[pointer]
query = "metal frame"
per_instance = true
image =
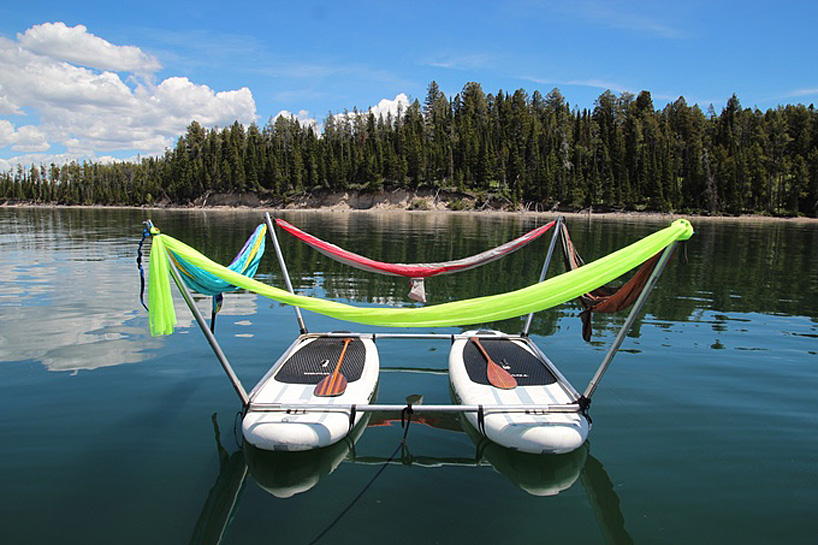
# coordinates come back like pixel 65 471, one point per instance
pixel 580 405
pixel 211 338
pixel 271 229
pixel 304 407
pixel 296 408
pixel 632 315
pixel 545 265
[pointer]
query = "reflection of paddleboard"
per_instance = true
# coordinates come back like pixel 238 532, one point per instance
pixel 537 384
pixel 285 474
pixel 537 474
pixel 293 379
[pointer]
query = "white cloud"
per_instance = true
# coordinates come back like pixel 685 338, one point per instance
pixel 7 133
pixel 7 107
pixel 30 138
pixel 646 19
pixel 386 106
pixel 27 138
pixel 803 92
pixel 89 109
pixel 76 45
pixel 590 82
pixel 303 117
pixel 475 61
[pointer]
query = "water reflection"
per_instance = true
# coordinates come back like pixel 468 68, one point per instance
pixel 69 290
pixel 537 474
pixel 732 267
pixel 68 282
pixel 71 324
pixel 287 474
pixel 223 496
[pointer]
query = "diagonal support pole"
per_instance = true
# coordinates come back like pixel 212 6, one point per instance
pixel 634 313
pixel 211 339
pixel 545 265
pixel 280 255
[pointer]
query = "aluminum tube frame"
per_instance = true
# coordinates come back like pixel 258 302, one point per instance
pixel 634 313
pixel 283 264
pixel 418 409
pixel 545 265
pixel 438 336
pixel 211 339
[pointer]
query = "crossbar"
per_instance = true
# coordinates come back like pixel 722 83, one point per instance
pixel 417 409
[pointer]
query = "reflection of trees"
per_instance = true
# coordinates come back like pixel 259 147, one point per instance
pixel 733 266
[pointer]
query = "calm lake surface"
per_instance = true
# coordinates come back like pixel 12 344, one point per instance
pixel 705 429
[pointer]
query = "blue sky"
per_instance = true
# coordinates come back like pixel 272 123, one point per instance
pixel 104 80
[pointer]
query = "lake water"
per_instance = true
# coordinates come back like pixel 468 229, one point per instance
pixel 705 429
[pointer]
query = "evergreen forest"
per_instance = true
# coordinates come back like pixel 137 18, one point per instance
pixel 530 151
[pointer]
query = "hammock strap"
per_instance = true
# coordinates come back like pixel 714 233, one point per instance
pixel 145 234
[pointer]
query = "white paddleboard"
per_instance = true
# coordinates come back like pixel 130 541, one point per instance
pixel 537 384
pixel 292 380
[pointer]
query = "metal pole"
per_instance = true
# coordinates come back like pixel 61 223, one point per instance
pixel 637 308
pixel 211 339
pixel 271 230
pixel 545 265
pixel 425 409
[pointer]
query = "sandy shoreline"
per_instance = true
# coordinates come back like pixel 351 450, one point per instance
pixel 631 215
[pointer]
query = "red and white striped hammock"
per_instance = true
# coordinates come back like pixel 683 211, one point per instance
pixel 416 272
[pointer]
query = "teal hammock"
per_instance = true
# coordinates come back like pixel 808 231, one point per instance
pixel 245 263
pixel 206 283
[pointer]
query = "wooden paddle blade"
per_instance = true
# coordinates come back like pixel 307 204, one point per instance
pixel 336 383
pixel 331 386
pixel 499 377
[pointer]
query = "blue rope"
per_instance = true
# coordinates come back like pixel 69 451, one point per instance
pixel 145 234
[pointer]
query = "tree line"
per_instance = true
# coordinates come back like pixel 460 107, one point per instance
pixel 535 151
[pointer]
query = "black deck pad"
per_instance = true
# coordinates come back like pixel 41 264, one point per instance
pixel 318 360
pixel 526 368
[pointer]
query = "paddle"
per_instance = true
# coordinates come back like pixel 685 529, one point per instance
pixel 498 377
pixel 334 384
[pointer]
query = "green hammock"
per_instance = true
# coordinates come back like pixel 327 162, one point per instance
pixel 536 297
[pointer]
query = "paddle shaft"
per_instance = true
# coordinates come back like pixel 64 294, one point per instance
pixel 497 376
pixel 335 383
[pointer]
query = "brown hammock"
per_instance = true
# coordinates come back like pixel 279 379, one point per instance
pixel 608 298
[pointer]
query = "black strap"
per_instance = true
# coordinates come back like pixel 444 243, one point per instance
pixel 481 420
pixel 584 404
pixel 145 234
pixel 352 412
